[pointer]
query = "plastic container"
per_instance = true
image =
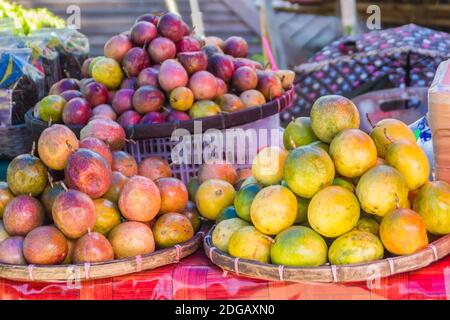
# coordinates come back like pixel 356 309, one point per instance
pixel 439 120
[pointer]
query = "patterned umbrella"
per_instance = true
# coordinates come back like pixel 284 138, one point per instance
pixel 401 57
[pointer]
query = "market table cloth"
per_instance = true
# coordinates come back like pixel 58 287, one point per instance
pixel 196 278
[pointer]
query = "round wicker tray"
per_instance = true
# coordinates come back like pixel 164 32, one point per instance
pixel 159 130
pixel 328 273
pixel 100 270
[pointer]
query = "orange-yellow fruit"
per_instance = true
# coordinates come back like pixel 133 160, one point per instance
pixel 332 114
pixel 268 165
pixel 308 170
pixel 213 196
pixel 333 211
pixel 171 229
pixel 411 161
pixel 299 246
pixel 353 153
pixel 107 216
pixel 249 243
pixel 433 204
pixel 381 189
pixel 388 131
pixel 273 209
pixel 355 247
pixel 224 230
pixel 403 231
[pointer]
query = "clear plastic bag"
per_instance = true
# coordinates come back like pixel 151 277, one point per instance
pixel 44 58
pixel 21 85
pixel 72 46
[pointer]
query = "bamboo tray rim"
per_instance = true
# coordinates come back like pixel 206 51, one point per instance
pixel 328 273
pixel 100 270
pixel 163 130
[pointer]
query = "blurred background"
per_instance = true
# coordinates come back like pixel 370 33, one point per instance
pixel 347 47
pixel 303 26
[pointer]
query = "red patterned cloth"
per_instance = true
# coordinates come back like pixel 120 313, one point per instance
pixel 196 278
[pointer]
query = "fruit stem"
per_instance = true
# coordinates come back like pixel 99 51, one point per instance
pixel 387 136
pixel 370 121
pixel 50 179
pixel 270 239
pixel 397 202
pixel 33 148
pixel 69 145
pixel 64 186
pixel 294 146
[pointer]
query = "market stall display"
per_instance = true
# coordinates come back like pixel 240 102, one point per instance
pixel 160 61
pixel 159 77
pixel 332 207
pixel 348 194
pixel 101 219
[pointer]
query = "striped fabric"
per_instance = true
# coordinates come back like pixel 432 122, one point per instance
pixel 196 278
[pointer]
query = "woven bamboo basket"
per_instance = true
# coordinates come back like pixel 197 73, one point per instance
pixel 80 272
pixel 328 273
pixel 14 140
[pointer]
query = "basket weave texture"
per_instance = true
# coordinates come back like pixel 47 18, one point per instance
pixel 70 273
pixel 328 273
